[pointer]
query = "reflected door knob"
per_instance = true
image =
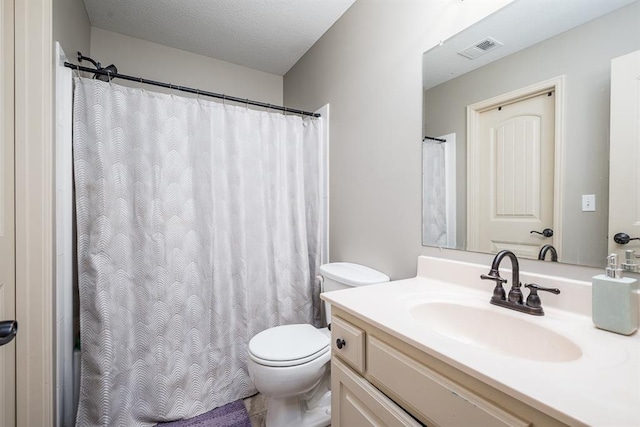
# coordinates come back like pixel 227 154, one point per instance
pixel 547 232
pixel 8 330
pixel 623 238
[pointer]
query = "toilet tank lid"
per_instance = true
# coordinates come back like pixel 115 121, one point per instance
pixel 352 274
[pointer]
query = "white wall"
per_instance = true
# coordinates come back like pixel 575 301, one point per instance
pixel 368 66
pixel 141 58
pixel 71 27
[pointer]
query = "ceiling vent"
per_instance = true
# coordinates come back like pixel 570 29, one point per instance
pixel 480 48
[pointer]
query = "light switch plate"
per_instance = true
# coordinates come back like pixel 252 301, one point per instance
pixel 588 203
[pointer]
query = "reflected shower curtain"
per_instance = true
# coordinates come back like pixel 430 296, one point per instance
pixel 434 188
pixel 198 227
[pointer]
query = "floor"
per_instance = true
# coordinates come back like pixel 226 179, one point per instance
pixel 257 407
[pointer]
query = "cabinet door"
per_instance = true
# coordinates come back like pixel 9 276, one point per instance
pixel 430 396
pixel 351 350
pixel 356 403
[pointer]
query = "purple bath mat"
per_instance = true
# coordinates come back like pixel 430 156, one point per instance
pixel 232 414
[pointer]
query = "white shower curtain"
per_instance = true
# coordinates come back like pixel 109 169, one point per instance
pixel 434 187
pixel 198 226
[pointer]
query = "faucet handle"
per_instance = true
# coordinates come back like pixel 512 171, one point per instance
pixel 533 300
pixel 498 291
pixel 495 277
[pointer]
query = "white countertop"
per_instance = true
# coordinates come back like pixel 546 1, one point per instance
pixel 600 388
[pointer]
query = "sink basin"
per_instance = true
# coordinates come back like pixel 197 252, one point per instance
pixel 495 332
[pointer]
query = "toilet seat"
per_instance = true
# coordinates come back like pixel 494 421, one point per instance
pixel 289 363
pixel 288 345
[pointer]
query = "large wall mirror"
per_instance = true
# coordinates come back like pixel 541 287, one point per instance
pixel 517 122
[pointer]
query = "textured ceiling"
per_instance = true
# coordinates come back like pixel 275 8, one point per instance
pixel 266 35
pixel 518 25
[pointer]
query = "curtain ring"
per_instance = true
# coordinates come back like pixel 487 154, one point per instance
pixel 198 94
pixel 224 99
pixel 285 110
pixel 140 79
pixel 268 108
pixel 246 103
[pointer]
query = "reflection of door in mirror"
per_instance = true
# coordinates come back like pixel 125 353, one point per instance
pixel 514 150
pixel 7 227
pixel 624 168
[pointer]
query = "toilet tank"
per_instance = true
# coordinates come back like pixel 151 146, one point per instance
pixel 343 275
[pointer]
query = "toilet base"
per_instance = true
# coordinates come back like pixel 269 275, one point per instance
pixel 313 409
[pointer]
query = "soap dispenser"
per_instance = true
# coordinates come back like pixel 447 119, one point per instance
pixel 614 301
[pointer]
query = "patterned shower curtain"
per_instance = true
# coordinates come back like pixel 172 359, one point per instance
pixel 198 227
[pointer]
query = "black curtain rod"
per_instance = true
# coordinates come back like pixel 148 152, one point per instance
pixel 434 139
pixel 190 90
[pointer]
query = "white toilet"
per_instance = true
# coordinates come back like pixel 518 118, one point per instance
pixel 290 364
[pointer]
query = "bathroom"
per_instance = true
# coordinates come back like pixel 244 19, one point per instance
pixel 368 67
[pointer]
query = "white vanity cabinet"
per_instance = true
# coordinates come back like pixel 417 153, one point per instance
pixel 379 380
pixel 356 403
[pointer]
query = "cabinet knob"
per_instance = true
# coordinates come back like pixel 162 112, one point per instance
pixel 340 343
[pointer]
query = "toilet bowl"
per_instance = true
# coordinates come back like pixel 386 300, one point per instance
pixel 290 364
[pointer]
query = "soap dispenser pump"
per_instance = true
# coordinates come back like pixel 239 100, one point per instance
pixel 614 301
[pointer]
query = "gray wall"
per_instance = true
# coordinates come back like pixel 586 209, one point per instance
pixel 584 56
pixel 71 26
pixel 368 66
pixel 138 57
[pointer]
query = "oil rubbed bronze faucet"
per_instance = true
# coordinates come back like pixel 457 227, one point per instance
pixel 544 250
pixel 514 301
